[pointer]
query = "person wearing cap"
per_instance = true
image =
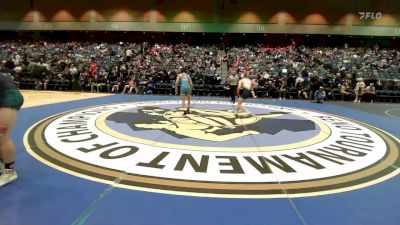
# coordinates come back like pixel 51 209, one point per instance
pixel 185 82
pixel 11 101
pixel 319 95
pixel 370 93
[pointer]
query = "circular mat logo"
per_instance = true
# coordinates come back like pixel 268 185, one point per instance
pixel 275 152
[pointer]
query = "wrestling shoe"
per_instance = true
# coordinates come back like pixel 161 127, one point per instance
pixel 7 176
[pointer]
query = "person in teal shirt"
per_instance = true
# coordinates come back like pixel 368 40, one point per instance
pixel 11 101
pixel 185 82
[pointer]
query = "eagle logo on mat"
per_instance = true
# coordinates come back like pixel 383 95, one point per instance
pixel 209 124
pixel 275 152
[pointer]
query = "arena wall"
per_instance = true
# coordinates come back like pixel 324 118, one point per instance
pixel 381 18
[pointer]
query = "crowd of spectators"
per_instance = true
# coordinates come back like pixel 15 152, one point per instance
pixel 142 68
pixel 301 72
pixel 103 66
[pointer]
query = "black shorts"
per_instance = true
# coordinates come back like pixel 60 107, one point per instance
pixel 11 99
pixel 245 94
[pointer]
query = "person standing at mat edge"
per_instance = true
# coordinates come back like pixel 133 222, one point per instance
pixel 185 82
pixel 11 101
pixel 233 83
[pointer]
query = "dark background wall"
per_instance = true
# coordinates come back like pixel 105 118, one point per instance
pixel 229 16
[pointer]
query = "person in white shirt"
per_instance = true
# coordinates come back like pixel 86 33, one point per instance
pixel 233 83
pixel 359 90
pixel 128 54
pixel 370 94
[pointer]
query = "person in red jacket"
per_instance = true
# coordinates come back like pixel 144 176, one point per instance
pixel 93 70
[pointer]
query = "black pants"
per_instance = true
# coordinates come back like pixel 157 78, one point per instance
pixel 369 97
pixel 233 89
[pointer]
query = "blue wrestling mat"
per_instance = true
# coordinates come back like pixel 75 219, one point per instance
pixel 126 159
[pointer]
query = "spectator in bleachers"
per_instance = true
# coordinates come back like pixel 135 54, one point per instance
pixel 254 85
pixel 46 81
pixel 282 90
pixel 359 90
pixel 117 85
pixel 270 89
pixel 370 94
pixel 130 86
pixel 102 82
pixel 93 70
pixel 345 91
pixel 83 81
pixel 320 95
pixel 26 61
pixel 149 86
pixel 73 71
pixel 93 81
